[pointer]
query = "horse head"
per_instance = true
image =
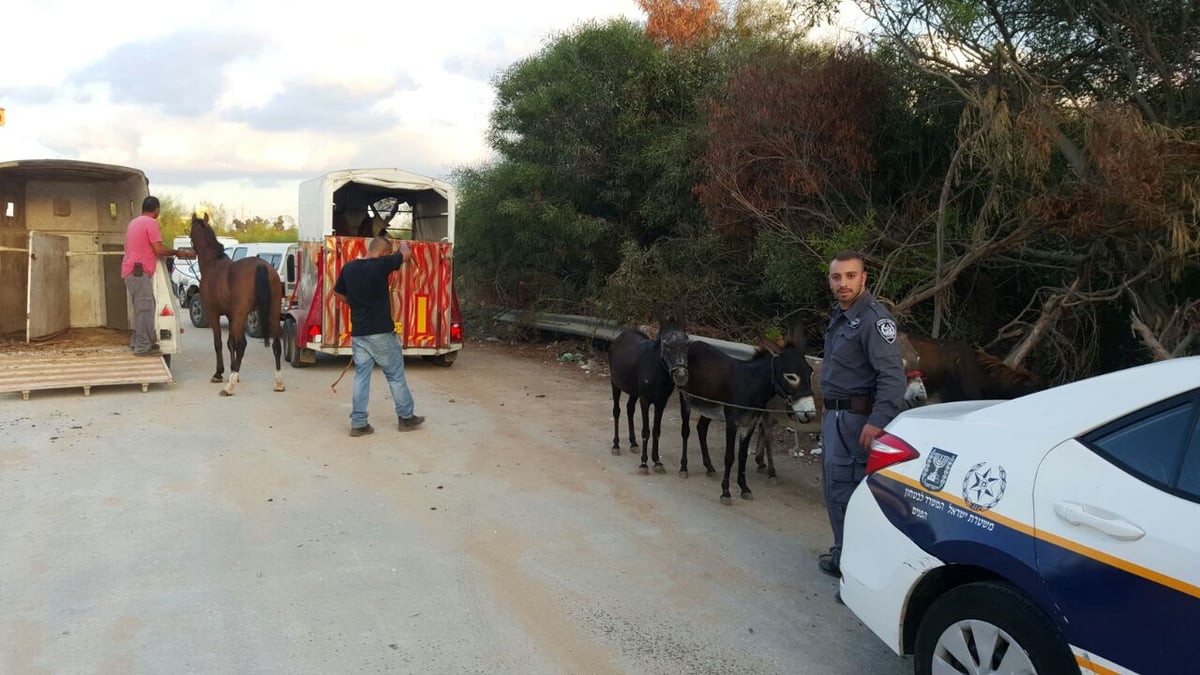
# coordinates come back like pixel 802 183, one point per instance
pixel 204 238
pixel 792 376
pixel 915 394
pixel 672 349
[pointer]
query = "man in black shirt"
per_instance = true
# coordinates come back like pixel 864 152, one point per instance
pixel 363 284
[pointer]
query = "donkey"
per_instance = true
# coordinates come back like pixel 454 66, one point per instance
pixel 736 392
pixel 953 371
pixel 915 395
pixel 647 370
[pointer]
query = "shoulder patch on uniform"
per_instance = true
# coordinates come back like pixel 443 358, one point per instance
pixel 887 329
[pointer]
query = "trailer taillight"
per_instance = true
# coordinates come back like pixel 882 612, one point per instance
pixel 456 332
pixel 314 333
pixel 166 311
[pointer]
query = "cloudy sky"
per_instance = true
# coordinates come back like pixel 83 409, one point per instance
pixel 236 102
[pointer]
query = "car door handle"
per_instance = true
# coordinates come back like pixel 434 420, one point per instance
pixel 1108 523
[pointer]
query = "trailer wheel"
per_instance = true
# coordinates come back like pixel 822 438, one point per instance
pixel 444 360
pixel 196 310
pixel 289 344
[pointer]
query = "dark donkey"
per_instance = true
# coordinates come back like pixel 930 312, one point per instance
pixel 647 370
pixel 736 392
pixel 953 371
pixel 234 289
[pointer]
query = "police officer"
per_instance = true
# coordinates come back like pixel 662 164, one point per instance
pixel 862 381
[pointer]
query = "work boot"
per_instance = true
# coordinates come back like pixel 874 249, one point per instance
pixel 828 566
pixel 362 431
pixel 410 423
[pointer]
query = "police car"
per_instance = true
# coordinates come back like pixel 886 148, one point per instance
pixel 1054 533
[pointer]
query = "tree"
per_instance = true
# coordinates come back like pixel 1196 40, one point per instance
pixel 597 138
pixel 1069 177
pixel 682 23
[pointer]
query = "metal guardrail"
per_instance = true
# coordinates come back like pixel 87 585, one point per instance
pixel 607 329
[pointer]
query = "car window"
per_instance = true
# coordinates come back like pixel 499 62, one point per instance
pixel 1189 476
pixel 1151 446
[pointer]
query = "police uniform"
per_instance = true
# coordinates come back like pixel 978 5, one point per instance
pixel 862 381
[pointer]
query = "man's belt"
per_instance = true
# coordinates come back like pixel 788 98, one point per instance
pixel 860 405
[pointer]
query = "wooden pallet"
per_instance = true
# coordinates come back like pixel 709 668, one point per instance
pixel 84 368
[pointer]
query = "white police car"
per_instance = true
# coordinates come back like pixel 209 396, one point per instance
pixel 1054 533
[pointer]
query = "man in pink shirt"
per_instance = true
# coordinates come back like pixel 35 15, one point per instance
pixel 143 246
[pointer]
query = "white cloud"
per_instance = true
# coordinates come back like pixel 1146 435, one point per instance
pixel 237 101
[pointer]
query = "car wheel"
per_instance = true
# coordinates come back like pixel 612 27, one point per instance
pixel 989 627
pixel 254 327
pixel 289 342
pixel 196 310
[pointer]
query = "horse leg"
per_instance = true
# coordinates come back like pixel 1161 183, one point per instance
pixel 702 433
pixel 730 437
pixel 237 349
pixel 645 404
pixel 743 452
pixel 616 394
pixel 658 413
pixel 218 376
pixel 630 405
pixel 685 430
pixel 277 348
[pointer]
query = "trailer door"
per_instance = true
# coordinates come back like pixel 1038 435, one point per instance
pixel 48 308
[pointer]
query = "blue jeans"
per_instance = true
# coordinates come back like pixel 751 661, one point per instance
pixel 384 349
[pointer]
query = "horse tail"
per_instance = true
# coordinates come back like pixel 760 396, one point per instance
pixel 262 301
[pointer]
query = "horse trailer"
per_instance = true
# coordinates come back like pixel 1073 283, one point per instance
pixel 65 317
pixel 424 303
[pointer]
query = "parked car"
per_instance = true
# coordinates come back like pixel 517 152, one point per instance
pixel 1053 533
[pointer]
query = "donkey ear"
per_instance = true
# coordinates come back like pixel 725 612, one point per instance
pixel 769 345
pixel 795 335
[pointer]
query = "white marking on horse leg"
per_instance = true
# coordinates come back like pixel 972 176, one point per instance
pixel 279 380
pixel 228 390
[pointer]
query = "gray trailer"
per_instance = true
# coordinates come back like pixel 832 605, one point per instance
pixel 65 318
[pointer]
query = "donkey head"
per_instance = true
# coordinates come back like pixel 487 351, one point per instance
pixel 673 347
pixel 915 394
pixel 792 376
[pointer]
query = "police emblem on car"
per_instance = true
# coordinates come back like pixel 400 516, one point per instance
pixel 984 486
pixel 887 329
pixel 937 469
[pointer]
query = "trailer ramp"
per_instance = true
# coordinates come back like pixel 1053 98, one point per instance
pixel 26 372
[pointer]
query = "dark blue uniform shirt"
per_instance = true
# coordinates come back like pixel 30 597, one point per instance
pixel 862 358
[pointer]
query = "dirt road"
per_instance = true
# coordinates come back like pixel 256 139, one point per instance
pixel 178 531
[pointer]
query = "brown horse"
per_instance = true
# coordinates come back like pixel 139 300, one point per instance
pixel 233 290
pixel 953 371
